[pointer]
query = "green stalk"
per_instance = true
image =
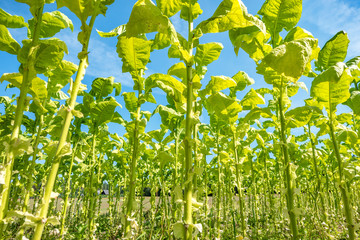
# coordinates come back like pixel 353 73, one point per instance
pixel 238 183
pixel 33 163
pixel 175 176
pixel 218 196
pixel 132 178
pixel 206 193
pixel 318 186
pixel 56 161
pixel 67 193
pixel 92 189
pixel 254 191
pixel 99 185
pixel 31 170
pixel 342 184
pixel 288 177
pixel 28 74
pixel 188 144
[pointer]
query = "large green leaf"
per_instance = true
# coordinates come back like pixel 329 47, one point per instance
pixel 230 14
pixel 52 23
pixel 242 80
pixel 11 21
pixel 169 116
pixel 169 7
pixel 207 53
pixel 354 67
pixel 7 42
pixel 59 77
pixel 332 86
pixel 224 107
pixel 290 58
pixel 298 117
pixel 297 33
pixel 38 88
pixel 280 14
pixel 354 102
pixel 252 40
pixel 173 87
pixel 102 112
pixel 146 17
pixel 256 113
pixel 178 70
pixel 195 11
pixel 251 100
pixel 82 9
pixel 177 50
pixel 216 84
pixel 334 51
pixel 160 41
pixel 293 88
pixel 102 87
pixel 48 56
pixel 13 78
pixel 131 101
pixel 134 52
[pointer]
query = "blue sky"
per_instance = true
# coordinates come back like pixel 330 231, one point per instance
pixel 323 18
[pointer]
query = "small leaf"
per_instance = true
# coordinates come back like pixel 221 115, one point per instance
pixel 216 84
pixel 102 87
pixel 207 53
pixel 290 59
pixel 280 14
pixel 298 117
pixel 131 101
pixel 169 7
pixel 134 52
pixel 230 14
pixel 179 230
pixel 334 51
pixel 251 100
pixel 7 42
pixel 113 33
pixel 332 85
pixel 11 21
pixel 52 23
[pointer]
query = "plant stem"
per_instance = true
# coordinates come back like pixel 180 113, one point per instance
pixel 188 141
pixel 288 176
pixel 62 141
pixel 342 184
pixel 132 178
pixel 238 183
pixel 28 74
pixel 318 187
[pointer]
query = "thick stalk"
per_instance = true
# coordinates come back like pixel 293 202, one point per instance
pixel 342 184
pixel 62 141
pixel 288 176
pixel 67 193
pixel 239 187
pixel 92 189
pixel 206 193
pixel 174 206
pixel 188 141
pixel 132 177
pixel 28 74
pixel 33 162
pixel 218 195
pixel 318 186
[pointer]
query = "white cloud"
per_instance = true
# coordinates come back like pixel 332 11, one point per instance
pixel 331 16
pixel 179 24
